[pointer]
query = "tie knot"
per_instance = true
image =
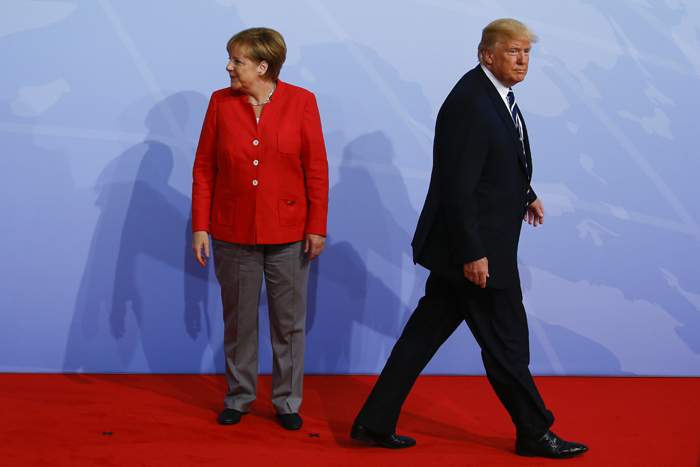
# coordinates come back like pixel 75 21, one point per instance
pixel 511 98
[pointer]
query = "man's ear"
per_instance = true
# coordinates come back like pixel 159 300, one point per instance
pixel 487 56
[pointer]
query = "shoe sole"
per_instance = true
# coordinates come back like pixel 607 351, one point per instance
pixel 291 428
pixel 226 423
pixel 532 454
pixel 363 439
pixel 371 442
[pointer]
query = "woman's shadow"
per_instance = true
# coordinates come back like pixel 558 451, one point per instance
pixel 143 303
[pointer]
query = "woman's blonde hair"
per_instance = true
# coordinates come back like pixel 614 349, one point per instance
pixel 261 44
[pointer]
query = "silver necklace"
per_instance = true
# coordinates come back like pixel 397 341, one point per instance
pixel 269 98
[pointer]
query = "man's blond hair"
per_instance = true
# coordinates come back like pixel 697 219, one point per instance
pixel 502 30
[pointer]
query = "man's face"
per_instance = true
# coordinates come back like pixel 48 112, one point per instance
pixel 508 60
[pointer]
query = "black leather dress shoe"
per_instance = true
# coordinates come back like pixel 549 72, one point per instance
pixel 290 421
pixel 548 445
pixel 392 441
pixel 230 417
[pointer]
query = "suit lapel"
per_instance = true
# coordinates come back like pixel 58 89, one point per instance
pixel 504 115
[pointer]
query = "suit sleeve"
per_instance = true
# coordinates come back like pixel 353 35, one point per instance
pixel 531 196
pixel 461 146
pixel 205 170
pixel 315 164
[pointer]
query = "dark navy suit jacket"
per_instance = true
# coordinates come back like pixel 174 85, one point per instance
pixel 479 186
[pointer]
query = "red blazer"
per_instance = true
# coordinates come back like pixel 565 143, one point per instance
pixel 261 183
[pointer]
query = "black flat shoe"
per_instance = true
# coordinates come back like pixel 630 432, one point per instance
pixel 290 421
pixel 548 445
pixel 229 417
pixel 392 441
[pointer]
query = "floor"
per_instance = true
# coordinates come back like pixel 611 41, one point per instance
pixel 155 420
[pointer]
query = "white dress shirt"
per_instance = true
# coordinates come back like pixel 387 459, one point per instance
pixel 503 92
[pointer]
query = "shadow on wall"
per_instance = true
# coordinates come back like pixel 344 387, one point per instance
pixel 556 350
pixel 130 312
pixel 353 314
pixel 352 309
pixel 364 285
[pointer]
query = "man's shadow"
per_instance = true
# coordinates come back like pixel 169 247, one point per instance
pixel 367 260
pixel 348 301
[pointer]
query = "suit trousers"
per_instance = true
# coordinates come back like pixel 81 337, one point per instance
pixel 497 320
pixel 240 270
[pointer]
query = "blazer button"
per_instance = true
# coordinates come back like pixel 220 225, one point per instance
pixel 256 142
pixel 255 182
pixel 290 202
pixel 256 162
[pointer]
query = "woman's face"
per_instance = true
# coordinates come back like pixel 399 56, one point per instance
pixel 244 72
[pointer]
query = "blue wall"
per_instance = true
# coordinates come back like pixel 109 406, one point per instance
pixel 100 108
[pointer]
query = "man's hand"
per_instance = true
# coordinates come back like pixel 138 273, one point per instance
pixel 313 245
pixel 477 271
pixel 535 213
pixel 200 246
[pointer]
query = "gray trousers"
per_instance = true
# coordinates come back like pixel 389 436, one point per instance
pixel 240 270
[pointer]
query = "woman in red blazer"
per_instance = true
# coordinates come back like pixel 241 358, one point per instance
pixel 260 189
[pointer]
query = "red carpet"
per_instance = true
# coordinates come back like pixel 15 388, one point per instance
pixel 130 420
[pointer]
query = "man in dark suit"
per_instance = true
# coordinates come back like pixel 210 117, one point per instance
pixel 467 236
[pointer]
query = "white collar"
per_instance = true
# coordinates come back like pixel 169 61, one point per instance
pixel 502 90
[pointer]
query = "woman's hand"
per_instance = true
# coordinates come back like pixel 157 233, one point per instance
pixel 313 245
pixel 200 243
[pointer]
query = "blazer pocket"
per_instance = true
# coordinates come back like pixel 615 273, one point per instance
pixel 290 212
pixel 288 145
pixel 225 212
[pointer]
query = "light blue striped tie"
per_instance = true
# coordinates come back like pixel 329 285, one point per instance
pixel 516 118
